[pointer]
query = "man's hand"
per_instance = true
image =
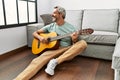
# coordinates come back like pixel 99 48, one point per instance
pixel 40 38
pixel 43 40
pixel 74 37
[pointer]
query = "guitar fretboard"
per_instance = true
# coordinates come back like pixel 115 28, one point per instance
pixel 79 32
pixel 59 37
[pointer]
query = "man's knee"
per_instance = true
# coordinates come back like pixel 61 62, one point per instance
pixel 82 43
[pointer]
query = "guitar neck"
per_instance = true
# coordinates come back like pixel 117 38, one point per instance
pixel 79 32
pixel 59 37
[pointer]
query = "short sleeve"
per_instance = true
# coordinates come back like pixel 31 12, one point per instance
pixel 48 28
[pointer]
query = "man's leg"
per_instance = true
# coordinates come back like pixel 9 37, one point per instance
pixel 76 49
pixel 38 63
pixel 67 55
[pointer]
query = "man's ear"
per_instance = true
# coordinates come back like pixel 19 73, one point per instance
pixel 61 15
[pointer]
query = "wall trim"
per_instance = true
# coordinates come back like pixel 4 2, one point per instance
pixel 15 51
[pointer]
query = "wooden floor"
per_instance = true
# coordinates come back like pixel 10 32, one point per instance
pixel 80 68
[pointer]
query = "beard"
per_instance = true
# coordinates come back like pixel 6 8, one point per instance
pixel 54 19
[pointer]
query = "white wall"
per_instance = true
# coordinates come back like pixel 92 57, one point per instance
pixel 43 8
pixel 86 4
pixel 46 6
pixel 12 38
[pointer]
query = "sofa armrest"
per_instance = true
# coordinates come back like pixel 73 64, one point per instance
pixel 119 25
pixel 30 29
pixel 116 56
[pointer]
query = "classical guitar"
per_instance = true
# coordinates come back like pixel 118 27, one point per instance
pixel 38 47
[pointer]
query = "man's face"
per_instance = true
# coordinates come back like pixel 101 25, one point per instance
pixel 55 15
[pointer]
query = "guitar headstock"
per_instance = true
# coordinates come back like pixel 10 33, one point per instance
pixel 86 31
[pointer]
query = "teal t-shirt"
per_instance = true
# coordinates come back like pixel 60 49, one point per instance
pixel 61 30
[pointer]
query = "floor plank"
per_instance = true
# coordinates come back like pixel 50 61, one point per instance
pixel 104 71
pixel 80 68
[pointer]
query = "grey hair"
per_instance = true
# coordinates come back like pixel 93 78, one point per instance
pixel 61 10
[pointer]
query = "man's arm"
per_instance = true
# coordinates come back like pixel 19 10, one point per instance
pixel 37 36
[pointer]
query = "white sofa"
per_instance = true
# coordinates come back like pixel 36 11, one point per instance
pixel 105 38
pixel 116 60
pixel 105 23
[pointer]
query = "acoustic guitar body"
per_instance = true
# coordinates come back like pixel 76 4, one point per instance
pixel 38 47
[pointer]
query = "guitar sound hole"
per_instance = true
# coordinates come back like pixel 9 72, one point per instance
pixel 48 39
pixel 38 43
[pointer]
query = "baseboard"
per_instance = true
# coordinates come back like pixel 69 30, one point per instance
pixel 5 55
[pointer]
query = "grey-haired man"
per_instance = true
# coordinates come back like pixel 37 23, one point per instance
pixel 69 47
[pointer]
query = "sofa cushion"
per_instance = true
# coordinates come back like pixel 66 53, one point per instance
pixel 102 37
pixel 47 18
pixel 101 19
pixel 74 17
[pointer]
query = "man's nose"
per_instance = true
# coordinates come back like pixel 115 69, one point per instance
pixel 52 15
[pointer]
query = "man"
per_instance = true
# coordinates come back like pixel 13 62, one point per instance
pixel 66 51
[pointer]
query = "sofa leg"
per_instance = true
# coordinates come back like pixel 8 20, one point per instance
pixel 117 75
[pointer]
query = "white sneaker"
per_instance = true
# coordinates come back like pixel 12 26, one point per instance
pixel 51 66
